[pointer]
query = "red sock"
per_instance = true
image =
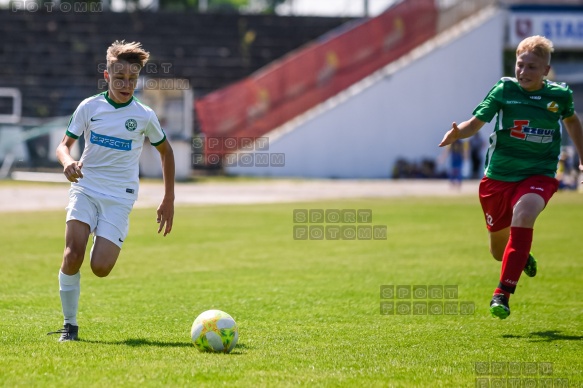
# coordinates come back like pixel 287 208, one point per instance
pixel 514 259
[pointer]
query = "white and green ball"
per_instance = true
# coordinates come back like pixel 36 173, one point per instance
pixel 214 331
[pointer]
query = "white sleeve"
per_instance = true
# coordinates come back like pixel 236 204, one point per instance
pixel 78 122
pixel 154 132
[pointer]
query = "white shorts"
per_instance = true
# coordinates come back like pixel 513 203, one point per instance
pixel 107 216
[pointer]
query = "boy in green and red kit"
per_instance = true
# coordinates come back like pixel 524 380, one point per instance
pixel 521 162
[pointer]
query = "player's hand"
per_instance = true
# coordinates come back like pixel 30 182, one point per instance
pixel 452 135
pixel 72 171
pixel 165 216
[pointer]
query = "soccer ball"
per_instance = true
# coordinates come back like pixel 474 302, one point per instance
pixel 214 331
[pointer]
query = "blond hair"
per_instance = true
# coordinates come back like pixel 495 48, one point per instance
pixel 132 53
pixel 538 45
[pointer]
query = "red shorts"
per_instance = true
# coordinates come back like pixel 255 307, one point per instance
pixel 498 198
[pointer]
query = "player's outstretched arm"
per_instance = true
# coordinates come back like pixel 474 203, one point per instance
pixel 575 130
pixel 462 131
pixel 165 212
pixel 71 167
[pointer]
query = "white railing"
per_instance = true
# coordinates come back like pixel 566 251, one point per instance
pixel 14 116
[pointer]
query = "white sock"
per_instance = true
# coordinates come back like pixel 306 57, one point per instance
pixel 70 288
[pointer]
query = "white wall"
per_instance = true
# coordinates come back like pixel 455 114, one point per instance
pixel 403 115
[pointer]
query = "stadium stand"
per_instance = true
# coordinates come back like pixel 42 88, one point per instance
pixel 65 51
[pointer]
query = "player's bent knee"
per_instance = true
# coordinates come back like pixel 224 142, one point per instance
pixel 102 265
pixel 101 273
pixel 527 209
pixel 496 255
pixel 103 256
pixel 101 270
pixel 497 251
pixel 524 219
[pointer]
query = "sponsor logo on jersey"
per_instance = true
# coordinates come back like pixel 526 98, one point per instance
pixel 553 107
pixel 94 119
pixel 522 131
pixel 131 125
pixel 110 142
pixel 535 97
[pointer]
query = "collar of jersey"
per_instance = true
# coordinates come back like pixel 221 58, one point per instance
pixel 545 85
pixel 115 104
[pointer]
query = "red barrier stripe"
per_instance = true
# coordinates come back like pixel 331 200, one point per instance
pixel 301 80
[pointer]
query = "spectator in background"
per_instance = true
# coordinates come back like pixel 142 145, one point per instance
pixel 567 174
pixel 477 145
pixel 454 155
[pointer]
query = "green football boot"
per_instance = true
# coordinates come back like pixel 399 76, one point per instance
pixel 499 306
pixel 530 267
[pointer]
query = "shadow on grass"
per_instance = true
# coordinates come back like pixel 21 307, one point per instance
pixel 136 342
pixel 547 336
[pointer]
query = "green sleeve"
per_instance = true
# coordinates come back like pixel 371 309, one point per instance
pixel 569 106
pixel 491 105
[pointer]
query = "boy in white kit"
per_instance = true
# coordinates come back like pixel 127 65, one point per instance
pixel 104 182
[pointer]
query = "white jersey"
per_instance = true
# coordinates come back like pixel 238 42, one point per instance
pixel 114 137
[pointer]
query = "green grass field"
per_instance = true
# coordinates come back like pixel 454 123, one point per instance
pixel 308 311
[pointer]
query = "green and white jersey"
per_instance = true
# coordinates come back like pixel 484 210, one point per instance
pixel 114 137
pixel 527 137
